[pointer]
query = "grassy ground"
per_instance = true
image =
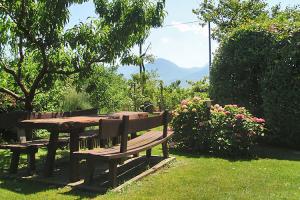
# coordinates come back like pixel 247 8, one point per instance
pixel 274 175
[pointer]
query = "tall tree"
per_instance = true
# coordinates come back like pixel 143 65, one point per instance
pixel 36 48
pixel 228 14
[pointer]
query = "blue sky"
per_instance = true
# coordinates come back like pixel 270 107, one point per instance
pixel 184 44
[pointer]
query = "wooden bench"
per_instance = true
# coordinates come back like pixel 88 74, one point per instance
pixel 26 145
pixel 123 127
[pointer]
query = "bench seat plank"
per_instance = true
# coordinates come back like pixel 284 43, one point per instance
pixel 33 143
pixel 136 145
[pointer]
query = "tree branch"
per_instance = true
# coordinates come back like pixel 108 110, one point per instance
pixel 21 59
pixel 16 78
pixel 10 93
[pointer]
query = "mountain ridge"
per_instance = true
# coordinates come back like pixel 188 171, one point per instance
pixel 168 71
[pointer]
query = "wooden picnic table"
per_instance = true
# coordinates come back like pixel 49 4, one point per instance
pixel 72 125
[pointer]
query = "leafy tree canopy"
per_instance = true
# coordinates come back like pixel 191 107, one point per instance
pixel 36 48
pixel 227 14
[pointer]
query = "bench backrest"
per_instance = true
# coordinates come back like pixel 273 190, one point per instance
pixel 122 127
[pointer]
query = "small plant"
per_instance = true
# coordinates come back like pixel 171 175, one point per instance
pixel 226 131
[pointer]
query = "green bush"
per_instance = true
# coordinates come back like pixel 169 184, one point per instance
pixel 72 100
pixel 233 130
pixel 281 93
pixel 225 131
pixel 237 69
pixel 257 66
pixel 190 124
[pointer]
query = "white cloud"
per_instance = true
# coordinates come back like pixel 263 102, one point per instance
pixel 165 40
pixel 193 27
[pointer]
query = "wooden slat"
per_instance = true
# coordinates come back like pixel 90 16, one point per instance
pixel 140 148
pixel 136 125
pixel 132 115
pixel 36 143
pixel 89 112
pixel 141 140
pixel 133 148
pixel 110 128
pixel 89 134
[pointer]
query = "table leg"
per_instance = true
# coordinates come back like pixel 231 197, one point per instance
pixel 74 146
pixel 50 160
pixel 134 135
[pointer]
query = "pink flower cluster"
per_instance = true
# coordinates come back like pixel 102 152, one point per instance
pixel 184 102
pixel 239 116
pixel 258 120
pixel 227 112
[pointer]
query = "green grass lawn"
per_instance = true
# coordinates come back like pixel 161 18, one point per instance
pixel 274 175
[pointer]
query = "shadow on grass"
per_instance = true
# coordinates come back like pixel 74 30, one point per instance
pixel 269 152
pixel 23 186
pixel 260 152
pixel 189 154
pixel 81 194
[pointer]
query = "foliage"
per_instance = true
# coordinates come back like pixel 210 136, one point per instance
pixel 281 89
pixel 264 77
pixel 236 71
pixel 172 95
pixel 229 131
pixel 190 124
pixel 233 130
pixel 107 90
pixel 199 88
pixel 36 48
pixel 149 92
pixel 72 100
pixel 226 15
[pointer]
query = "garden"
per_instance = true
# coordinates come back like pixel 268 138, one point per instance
pixel 72 127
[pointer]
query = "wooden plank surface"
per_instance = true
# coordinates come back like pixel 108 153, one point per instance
pixel 136 145
pixel 65 123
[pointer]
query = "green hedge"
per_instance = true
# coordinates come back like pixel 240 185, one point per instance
pixel 281 92
pixel 237 68
pixel 258 66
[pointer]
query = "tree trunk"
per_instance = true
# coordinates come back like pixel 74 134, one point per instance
pixel 29 105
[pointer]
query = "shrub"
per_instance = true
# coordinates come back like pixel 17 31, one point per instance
pixel 281 93
pixel 236 70
pixel 257 66
pixel 233 130
pixel 226 131
pixel 190 124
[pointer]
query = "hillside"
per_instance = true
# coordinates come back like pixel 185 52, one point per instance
pixel 168 71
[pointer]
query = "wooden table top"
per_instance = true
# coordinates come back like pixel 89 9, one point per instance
pixel 66 123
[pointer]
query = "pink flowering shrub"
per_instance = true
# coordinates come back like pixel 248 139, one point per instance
pixel 226 131
pixel 190 123
pixel 233 130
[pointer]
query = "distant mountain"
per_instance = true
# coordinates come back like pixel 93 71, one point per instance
pixel 168 71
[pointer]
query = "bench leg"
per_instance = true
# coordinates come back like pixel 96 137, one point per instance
pixel 14 163
pixel 113 170
pixel 165 149
pixel 90 170
pixel 31 160
pixel 148 153
pixel 90 145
